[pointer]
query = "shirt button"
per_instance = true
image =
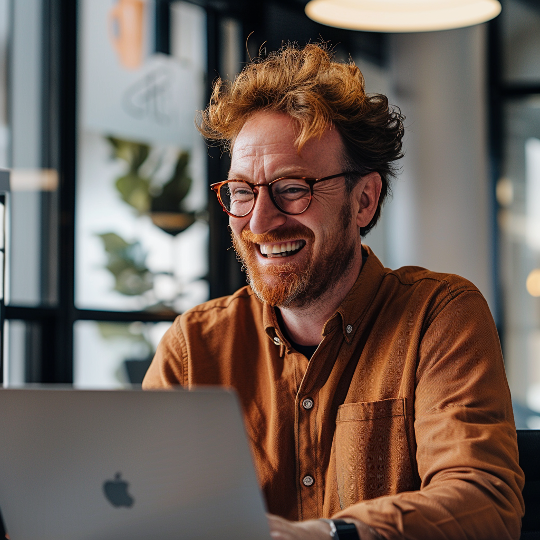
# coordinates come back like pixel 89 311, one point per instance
pixel 308 480
pixel 277 341
pixel 348 329
pixel 307 403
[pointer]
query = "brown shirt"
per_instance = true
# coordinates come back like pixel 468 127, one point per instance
pixel 402 418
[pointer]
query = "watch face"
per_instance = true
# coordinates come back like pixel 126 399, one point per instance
pixel 344 530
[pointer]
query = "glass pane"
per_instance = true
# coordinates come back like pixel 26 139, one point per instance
pixel 521 41
pixel 14 364
pixel 34 201
pixel 4 42
pixel 518 193
pixel 34 237
pixel 2 220
pixel 114 355
pixel 1 275
pixel 24 352
pixel 141 231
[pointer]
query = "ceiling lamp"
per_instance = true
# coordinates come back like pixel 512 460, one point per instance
pixel 402 15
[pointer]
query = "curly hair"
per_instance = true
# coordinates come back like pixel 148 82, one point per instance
pixel 308 85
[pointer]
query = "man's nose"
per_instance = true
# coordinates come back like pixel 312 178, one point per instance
pixel 265 216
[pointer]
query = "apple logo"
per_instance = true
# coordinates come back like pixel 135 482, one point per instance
pixel 116 492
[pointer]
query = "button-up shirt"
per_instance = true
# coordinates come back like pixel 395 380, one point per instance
pixel 402 417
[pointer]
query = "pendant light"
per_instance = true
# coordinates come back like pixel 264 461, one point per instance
pixel 402 15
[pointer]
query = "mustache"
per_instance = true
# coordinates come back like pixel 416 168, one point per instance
pixel 292 233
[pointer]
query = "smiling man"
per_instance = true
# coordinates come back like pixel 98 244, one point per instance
pixel 300 243
pixel 375 399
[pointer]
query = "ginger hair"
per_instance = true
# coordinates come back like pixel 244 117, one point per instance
pixel 316 91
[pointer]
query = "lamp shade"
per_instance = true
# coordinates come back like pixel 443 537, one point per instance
pixel 402 15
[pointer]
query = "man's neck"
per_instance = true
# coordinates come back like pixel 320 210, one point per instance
pixel 304 325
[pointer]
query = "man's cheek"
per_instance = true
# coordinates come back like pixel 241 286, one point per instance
pixel 235 226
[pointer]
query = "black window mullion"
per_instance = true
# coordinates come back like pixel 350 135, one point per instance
pixel 495 140
pixel 58 364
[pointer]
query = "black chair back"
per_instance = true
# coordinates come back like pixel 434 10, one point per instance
pixel 529 461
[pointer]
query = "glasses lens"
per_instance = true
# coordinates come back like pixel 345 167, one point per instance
pixel 237 197
pixel 292 195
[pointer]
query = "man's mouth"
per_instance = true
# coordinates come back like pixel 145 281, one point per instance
pixel 283 249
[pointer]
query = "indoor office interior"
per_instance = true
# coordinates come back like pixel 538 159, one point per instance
pixel 111 228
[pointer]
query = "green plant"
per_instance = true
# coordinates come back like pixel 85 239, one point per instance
pixel 133 333
pixel 127 263
pixel 133 187
pixel 138 347
pixel 163 202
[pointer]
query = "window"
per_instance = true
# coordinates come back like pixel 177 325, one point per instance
pixel 113 230
pixel 516 148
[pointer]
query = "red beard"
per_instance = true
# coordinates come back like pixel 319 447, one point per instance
pixel 298 284
pixel 290 281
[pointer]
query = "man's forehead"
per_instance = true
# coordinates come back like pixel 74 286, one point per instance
pixel 252 149
pixel 267 128
pixel 276 133
pixel 272 161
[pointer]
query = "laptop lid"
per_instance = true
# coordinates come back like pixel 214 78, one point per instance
pixel 127 464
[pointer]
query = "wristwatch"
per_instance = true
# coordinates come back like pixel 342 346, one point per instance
pixel 341 530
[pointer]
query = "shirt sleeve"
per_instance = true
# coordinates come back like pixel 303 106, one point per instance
pixel 169 366
pixel 465 435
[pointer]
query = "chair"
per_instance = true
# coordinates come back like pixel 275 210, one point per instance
pixel 529 460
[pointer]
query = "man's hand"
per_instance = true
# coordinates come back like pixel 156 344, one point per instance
pixel 313 529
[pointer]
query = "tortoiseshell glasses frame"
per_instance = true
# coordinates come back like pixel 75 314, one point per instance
pixel 291 195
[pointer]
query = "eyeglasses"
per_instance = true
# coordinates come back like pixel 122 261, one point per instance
pixel 290 194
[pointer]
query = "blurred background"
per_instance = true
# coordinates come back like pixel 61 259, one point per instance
pixel 112 230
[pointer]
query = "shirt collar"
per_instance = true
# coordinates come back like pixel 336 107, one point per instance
pixel 272 329
pixel 355 305
pixel 349 314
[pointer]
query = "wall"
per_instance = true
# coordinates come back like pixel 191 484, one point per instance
pixel 439 216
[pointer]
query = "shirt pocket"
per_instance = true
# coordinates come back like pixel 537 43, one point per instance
pixel 372 450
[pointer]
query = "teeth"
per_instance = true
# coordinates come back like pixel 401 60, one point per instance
pixel 279 249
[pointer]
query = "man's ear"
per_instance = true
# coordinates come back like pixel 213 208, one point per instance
pixel 369 191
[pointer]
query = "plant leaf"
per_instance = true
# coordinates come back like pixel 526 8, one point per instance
pixel 175 189
pixel 134 190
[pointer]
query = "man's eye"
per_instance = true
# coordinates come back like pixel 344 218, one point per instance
pixel 241 192
pixel 292 190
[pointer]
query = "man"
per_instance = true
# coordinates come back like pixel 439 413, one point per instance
pixel 371 396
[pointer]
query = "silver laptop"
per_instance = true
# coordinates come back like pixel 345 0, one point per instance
pixel 127 465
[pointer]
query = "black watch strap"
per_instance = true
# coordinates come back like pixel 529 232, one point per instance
pixel 341 530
